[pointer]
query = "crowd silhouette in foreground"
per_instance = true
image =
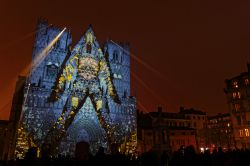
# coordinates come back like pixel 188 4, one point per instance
pixel 183 157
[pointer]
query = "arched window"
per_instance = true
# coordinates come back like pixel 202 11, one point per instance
pixel 57 44
pixel 125 94
pixel 51 71
pixel 115 56
pixel 121 59
pixel 88 48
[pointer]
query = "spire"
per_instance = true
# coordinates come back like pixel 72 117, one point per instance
pixel 89 35
pixel 90 28
pixel 87 43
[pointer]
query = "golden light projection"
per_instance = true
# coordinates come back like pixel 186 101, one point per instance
pixel 81 99
pixel 88 68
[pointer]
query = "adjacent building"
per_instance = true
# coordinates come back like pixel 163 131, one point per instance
pixel 219 132
pixel 164 131
pixel 198 121
pixel 4 139
pixel 237 91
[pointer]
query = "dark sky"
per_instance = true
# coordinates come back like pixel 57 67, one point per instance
pixel 193 45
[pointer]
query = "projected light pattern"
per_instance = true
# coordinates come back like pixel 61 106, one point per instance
pixel 79 94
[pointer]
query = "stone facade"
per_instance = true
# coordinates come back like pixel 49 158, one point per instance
pixel 40 115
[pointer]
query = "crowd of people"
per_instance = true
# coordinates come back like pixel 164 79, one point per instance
pixel 183 157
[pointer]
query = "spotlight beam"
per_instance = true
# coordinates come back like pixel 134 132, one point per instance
pixel 147 88
pixel 141 62
pixel 39 58
pixel 22 38
pixel 142 106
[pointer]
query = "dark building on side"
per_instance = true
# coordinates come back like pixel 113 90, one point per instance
pixel 164 131
pixel 237 91
pixel 8 128
pixel 3 139
pixel 220 132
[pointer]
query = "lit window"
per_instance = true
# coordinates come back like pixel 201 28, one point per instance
pixel 247 81
pixel 228 125
pixel 239 95
pixel 237 107
pixel 241 133
pixel 234 95
pixel 247 132
pixel 235 84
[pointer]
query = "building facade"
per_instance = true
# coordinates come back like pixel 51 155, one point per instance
pixel 75 94
pixel 16 108
pixel 198 121
pixel 164 131
pixel 237 91
pixel 220 132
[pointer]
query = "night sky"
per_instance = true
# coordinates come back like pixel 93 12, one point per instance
pixel 186 48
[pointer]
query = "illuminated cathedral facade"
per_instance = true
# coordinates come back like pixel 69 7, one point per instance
pixel 77 93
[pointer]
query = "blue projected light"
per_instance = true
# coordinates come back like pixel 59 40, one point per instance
pixel 77 95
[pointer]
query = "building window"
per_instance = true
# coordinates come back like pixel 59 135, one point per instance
pixel 236 95
pixel 121 59
pixel 194 124
pixel 241 133
pixel 57 44
pixel 247 81
pixel 115 56
pixel 247 132
pixel 235 84
pixel 238 120
pixel 89 48
pixel 193 117
pixel 237 107
pixel 51 71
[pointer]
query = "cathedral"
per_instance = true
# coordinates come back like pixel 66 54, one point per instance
pixel 75 94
